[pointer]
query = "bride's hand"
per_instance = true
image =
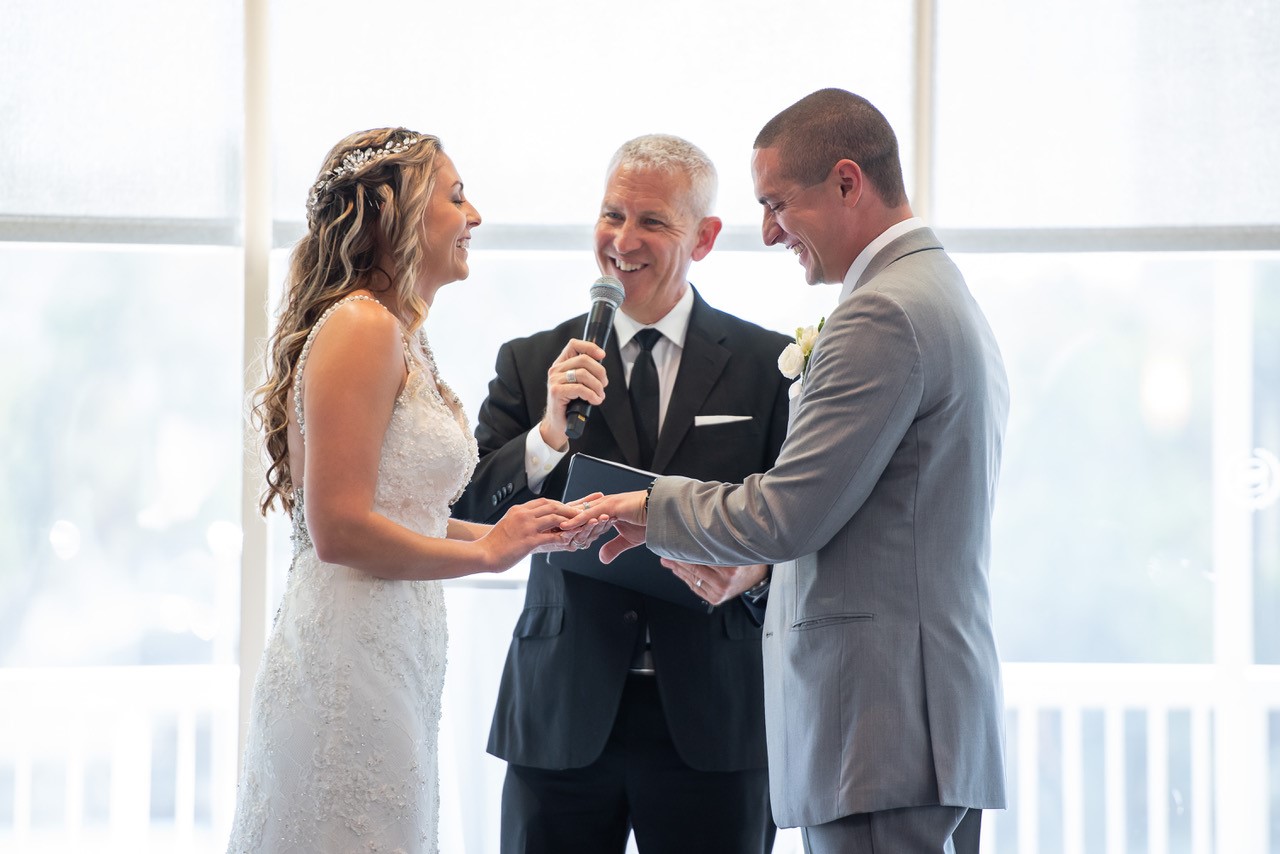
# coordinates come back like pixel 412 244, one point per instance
pixel 583 535
pixel 533 527
pixel 578 538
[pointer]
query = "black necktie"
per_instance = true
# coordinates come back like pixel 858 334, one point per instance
pixel 643 390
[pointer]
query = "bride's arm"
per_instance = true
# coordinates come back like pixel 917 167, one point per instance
pixel 467 531
pixel 353 375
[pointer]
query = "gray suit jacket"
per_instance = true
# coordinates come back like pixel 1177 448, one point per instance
pixel 882 682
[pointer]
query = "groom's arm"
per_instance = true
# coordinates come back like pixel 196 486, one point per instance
pixel 750 583
pixel 862 393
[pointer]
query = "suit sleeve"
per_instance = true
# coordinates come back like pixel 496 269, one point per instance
pixel 862 394
pixel 500 479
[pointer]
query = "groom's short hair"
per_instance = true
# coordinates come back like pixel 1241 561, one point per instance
pixel 831 125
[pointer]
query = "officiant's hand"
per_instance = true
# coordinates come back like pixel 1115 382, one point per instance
pixel 717 584
pixel 576 374
pixel 625 510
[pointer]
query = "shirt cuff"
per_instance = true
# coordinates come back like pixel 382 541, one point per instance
pixel 539 459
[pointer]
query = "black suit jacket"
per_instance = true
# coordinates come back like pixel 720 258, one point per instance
pixel 572 645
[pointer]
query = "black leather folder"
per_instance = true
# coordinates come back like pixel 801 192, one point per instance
pixel 636 569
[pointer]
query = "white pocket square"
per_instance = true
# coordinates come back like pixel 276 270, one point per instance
pixel 708 420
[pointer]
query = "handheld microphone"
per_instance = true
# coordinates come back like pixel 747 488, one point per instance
pixel 606 295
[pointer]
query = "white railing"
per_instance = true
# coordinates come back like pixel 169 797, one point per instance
pixel 78 745
pixel 1226 716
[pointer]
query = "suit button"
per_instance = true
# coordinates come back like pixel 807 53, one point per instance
pixel 495 501
pixel 630 617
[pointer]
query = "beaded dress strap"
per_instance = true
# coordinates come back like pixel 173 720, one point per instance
pixel 311 337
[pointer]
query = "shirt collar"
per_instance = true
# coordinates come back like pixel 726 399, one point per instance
pixel 673 325
pixel 863 260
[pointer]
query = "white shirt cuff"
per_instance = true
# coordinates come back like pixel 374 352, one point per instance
pixel 539 459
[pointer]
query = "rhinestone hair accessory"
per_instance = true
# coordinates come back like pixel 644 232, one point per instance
pixel 354 161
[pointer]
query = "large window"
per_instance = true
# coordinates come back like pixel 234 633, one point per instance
pixel 1102 172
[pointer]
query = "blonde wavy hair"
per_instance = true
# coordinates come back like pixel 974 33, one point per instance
pixel 362 208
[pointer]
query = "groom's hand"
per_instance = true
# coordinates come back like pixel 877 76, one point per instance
pixel 629 536
pixel 717 584
pixel 626 510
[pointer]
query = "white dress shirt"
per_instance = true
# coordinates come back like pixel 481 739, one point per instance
pixel 886 237
pixel 540 458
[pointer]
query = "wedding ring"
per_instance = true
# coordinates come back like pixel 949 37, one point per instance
pixel 698 583
pixel 571 376
pixel 586 505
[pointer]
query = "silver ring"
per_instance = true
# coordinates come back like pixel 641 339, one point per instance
pixel 698 583
pixel 586 505
pixel 571 376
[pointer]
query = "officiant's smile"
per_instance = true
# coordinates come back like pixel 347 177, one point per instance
pixel 649 231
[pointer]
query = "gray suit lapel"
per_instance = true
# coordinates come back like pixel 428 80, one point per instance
pixel 908 244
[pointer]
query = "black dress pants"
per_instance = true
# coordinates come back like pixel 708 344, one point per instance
pixel 638 783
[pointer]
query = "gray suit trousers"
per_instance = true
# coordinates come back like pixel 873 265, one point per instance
pixel 911 830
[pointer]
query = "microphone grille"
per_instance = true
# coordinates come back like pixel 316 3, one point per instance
pixel 608 289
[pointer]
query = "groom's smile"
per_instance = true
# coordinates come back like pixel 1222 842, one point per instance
pixel 812 221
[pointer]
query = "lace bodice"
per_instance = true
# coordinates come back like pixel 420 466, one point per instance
pixel 415 457
pixel 342 748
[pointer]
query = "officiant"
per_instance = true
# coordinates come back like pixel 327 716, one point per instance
pixel 618 709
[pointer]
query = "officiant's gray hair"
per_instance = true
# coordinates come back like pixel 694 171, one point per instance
pixel 673 155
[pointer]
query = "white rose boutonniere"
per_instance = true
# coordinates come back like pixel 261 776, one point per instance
pixel 793 361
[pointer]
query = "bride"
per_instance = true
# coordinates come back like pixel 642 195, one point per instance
pixel 342 743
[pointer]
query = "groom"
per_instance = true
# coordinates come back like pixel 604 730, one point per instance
pixel 883 701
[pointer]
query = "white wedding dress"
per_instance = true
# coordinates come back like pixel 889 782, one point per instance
pixel 342 745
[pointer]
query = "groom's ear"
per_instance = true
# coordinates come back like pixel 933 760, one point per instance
pixel 850 180
pixel 708 230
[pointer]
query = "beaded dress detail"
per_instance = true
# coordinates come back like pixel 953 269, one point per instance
pixel 342 748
